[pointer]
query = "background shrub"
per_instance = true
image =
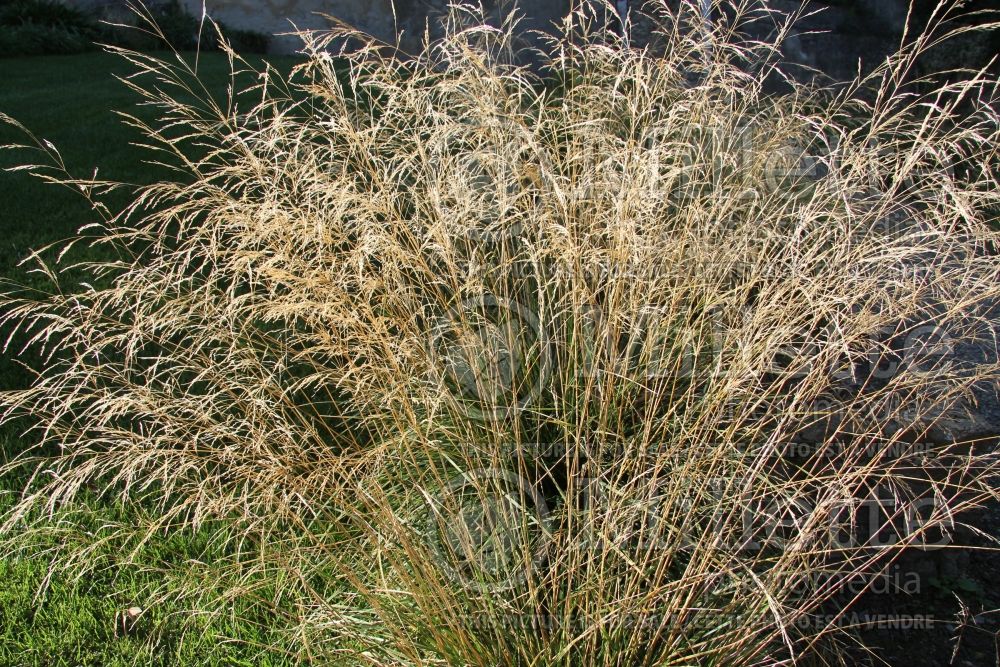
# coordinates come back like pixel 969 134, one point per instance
pixel 35 27
pixel 38 27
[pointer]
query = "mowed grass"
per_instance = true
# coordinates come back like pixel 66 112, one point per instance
pixel 52 619
pixel 71 101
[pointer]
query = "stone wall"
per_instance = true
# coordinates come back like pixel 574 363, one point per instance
pixel 853 31
pixel 839 37
pixel 274 17
pixel 380 18
pixel 848 35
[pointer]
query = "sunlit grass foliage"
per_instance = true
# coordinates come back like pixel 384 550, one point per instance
pixel 616 359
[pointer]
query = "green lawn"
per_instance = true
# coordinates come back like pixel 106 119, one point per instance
pixel 68 100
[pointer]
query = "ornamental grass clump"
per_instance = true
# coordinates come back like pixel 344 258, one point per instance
pixel 613 359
